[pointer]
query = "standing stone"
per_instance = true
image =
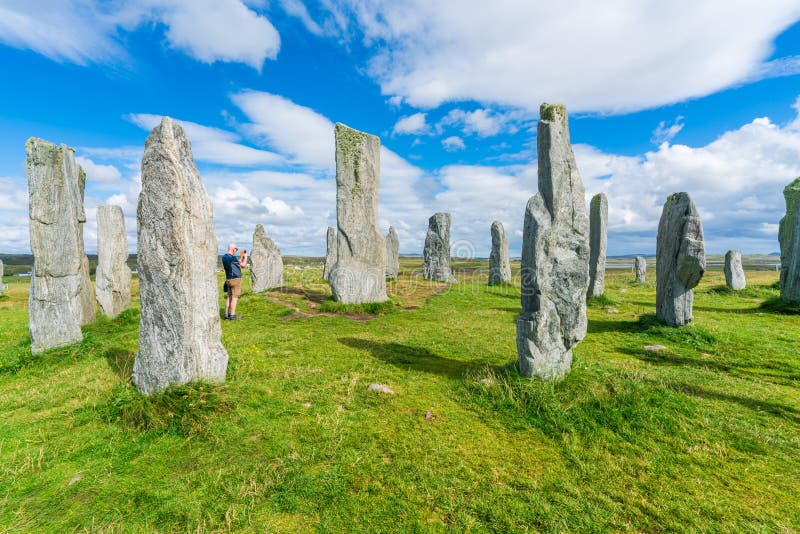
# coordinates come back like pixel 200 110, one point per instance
pixel 266 264
pixel 179 330
pixel 789 237
pixel 330 255
pixel 392 254
pixel 598 239
pixel 640 265
pixel 499 266
pixel 680 259
pixel 113 276
pixel 436 254
pixel 555 256
pixel 2 286
pixel 734 273
pixel 88 307
pixel 56 223
pixel 359 274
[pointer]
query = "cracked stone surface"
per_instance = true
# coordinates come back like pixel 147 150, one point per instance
pixel 640 266
pixel 499 265
pixel 330 255
pixel 113 276
pixel 789 237
pixel 734 272
pixel 266 263
pixel 598 241
pixel 436 254
pixel 392 253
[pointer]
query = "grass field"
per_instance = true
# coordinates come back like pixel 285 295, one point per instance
pixel 701 436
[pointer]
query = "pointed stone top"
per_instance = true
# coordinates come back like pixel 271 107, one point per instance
pixel 392 231
pixel 344 133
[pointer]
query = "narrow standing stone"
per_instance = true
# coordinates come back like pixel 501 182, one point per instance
pixel 436 254
pixel 640 265
pixel 555 256
pixel 88 307
pixel 789 237
pixel 266 263
pixel 330 255
pixel 392 254
pixel 499 266
pixel 734 273
pixel 359 275
pixel 2 286
pixel 179 331
pixel 598 239
pixel 56 221
pixel 680 259
pixel 113 276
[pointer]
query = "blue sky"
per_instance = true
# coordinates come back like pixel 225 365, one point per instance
pixel 691 96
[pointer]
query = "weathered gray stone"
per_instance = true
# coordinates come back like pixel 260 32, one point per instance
pixel 56 223
pixel 499 266
pixel 734 273
pixel 789 237
pixel 359 274
pixel 392 254
pixel 680 259
pixel 266 263
pixel 598 239
pixel 2 285
pixel 330 255
pixel 113 276
pixel 436 254
pixel 380 388
pixel 179 330
pixel 555 256
pixel 640 266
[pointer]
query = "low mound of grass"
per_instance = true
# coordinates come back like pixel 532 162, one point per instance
pixel 600 301
pixel 692 335
pixel 368 308
pixel 779 305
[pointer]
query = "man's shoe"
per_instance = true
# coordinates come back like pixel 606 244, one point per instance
pixel 235 318
pixel 227 317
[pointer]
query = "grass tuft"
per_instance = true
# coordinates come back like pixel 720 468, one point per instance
pixel 779 305
pixel 692 335
pixel 600 301
pixel 369 308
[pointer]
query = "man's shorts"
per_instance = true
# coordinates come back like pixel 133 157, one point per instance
pixel 234 287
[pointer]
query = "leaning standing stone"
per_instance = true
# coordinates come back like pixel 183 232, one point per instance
pixel 436 254
pixel 499 266
pixel 266 264
pixel 680 259
pixel 330 255
pixel 640 265
pixel 734 273
pixel 789 237
pixel 359 275
pixel 392 254
pixel 598 238
pixel 555 256
pixel 113 276
pixel 179 330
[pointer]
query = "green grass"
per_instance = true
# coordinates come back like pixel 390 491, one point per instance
pixel 701 436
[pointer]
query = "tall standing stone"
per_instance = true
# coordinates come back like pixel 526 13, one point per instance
pixel 680 259
pixel 499 266
pixel 330 254
pixel 266 264
pixel 789 237
pixel 555 256
pixel 113 276
pixel 2 286
pixel 179 330
pixel 734 273
pixel 436 254
pixel 392 253
pixel 640 266
pixel 598 239
pixel 88 307
pixel 56 223
pixel 359 274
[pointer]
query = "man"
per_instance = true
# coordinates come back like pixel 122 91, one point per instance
pixel 233 281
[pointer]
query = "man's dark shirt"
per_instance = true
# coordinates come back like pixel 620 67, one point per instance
pixel 231 265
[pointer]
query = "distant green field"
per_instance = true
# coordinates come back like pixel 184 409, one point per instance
pixel 701 436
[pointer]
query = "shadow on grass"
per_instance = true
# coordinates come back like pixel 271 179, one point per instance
pixel 780 306
pixel 599 326
pixel 414 358
pixel 121 362
pixel 317 297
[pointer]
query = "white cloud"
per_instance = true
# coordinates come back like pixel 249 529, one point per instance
pixel 482 122
pixel 98 173
pixel 85 31
pixel 624 55
pixel 666 131
pixel 297 9
pixel 453 143
pixel 412 124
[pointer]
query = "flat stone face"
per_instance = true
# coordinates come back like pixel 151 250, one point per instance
pixel 436 254
pixel 598 239
pixel 555 256
pixel 330 255
pixel 789 237
pixel 680 259
pixel 88 308
pixel 179 330
pixel 113 276
pixel 499 266
pixel 359 274
pixel 56 214
pixel 734 273
pixel 266 263
pixel 392 253
pixel 640 266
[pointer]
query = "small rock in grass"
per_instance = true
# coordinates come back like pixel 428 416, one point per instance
pixel 486 381
pixel 74 480
pixel 429 416
pixel 612 310
pixel 654 348
pixel 307 404
pixel 380 388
